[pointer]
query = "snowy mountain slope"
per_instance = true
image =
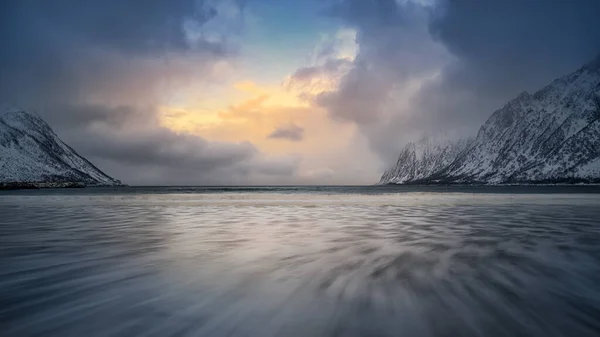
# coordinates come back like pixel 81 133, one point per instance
pixel 422 159
pixel 30 152
pixel 550 136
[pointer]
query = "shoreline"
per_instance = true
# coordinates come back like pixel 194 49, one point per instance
pixel 12 186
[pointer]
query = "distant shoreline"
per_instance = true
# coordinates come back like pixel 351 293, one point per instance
pixel 79 185
pixel 545 182
pixel 9 186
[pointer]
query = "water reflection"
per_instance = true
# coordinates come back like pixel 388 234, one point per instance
pixel 304 264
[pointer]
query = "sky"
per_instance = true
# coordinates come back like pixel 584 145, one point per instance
pixel 272 92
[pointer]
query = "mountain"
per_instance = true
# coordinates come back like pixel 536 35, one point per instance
pixel 32 155
pixel 550 136
pixel 420 160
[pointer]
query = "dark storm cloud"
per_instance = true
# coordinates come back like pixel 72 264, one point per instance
pixel 394 47
pixel 160 145
pixel 67 117
pixel 288 131
pixel 517 42
pixel 130 26
pixel 467 59
pixel 502 48
pixel 93 70
pixel 506 47
pixel 53 49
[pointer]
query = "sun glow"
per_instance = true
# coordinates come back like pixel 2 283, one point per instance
pixel 244 109
pixel 259 107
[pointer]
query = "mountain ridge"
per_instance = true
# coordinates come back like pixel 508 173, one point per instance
pixel 550 136
pixel 32 155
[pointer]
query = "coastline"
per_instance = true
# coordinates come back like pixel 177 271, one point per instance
pixel 548 182
pixel 9 186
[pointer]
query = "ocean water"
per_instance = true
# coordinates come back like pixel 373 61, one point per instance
pixel 301 261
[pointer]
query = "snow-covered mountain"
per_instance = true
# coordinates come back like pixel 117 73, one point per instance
pixel 30 152
pixel 420 160
pixel 550 136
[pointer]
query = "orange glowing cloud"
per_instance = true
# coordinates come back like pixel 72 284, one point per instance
pixel 265 112
pixel 278 118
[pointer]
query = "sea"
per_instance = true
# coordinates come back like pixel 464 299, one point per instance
pixel 301 261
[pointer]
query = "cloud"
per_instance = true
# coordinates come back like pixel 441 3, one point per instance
pixel 516 46
pixel 97 71
pixel 289 131
pixel 332 59
pixel 318 78
pixel 69 49
pixel 517 41
pixel 220 21
pixel 339 45
pixel 320 173
pixel 394 50
pixel 125 140
pixel 433 67
pixel 395 55
pixel 115 78
pixel 331 66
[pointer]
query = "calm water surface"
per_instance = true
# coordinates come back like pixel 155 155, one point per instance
pixel 344 261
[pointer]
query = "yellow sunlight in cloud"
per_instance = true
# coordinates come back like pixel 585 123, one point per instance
pixel 275 95
pixel 249 87
pixel 252 112
pixel 260 110
pixel 185 120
